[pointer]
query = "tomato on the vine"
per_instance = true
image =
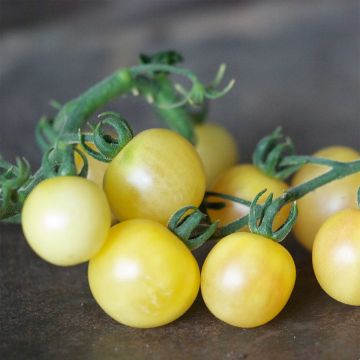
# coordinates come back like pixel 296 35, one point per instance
pixel 217 149
pixel 315 207
pixel 247 279
pixel 66 219
pixel 245 181
pixel 144 276
pixel 336 256
pixel 154 175
pixel 96 168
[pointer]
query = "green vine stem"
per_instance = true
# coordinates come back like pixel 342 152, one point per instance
pixel 338 170
pixel 59 135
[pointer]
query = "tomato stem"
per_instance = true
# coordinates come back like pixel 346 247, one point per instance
pixel 57 136
pixel 338 170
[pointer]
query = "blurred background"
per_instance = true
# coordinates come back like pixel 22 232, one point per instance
pixel 296 63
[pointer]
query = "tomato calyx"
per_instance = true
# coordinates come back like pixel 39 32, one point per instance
pixel 192 228
pixel 108 146
pixel 12 177
pixel 261 218
pixel 269 153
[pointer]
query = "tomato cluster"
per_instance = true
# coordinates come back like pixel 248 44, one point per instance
pixel 143 275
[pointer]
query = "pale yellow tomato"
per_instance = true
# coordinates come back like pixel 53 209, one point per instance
pixel 315 207
pixel 336 256
pixel 144 276
pixel 217 149
pixel 247 279
pixel 155 174
pixel 96 168
pixel 66 220
pixel 246 181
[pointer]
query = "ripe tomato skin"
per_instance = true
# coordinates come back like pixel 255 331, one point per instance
pixel 96 171
pixel 154 175
pixel 336 256
pixel 246 181
pixel 247 279
pixel 315 207
pixel 217 149
pixel 96 168
pixel 144 276
pixel 66 220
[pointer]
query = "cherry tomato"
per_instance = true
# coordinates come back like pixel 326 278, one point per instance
pixel 246 181
pixel 247 279
pixel 144 276
pixel 96 168
pixel 217 149
pixel 96 171
pixel 154 175
pixel 66 220
pixel 336 256
pixel 315 207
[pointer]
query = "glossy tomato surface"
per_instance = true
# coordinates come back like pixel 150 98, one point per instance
pixel 315 207
pixel 144 276
pixel 217 149
pixel 66 220
pixel 246 181
pixel 247 279
pixel 336 256
pixel 157 173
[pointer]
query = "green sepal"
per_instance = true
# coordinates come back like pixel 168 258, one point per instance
pixel 261 217
pixel 270 152
pixel 191 228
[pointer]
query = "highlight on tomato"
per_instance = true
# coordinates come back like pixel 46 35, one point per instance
pixel 317 206
pixel 154 175
pixel 247 279
pixel 217 149
pixel 66 220
pixel 144 276
pixel 336 256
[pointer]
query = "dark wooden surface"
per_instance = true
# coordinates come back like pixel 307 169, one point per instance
pixel 296 65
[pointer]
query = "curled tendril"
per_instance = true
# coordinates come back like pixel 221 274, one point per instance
pixel 270 152
pixel 188 224
pixel 108 146
pixel 197 94
pixel 261 218
pixel 12 178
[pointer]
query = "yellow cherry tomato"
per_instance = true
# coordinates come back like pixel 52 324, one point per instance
pixel 144 276
pixel 246 181
pixel 96 168
pixel 247 279
pixel 315 207
pixel 217 149
pixel 336 256
pixel 66 220
pixel 154 175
